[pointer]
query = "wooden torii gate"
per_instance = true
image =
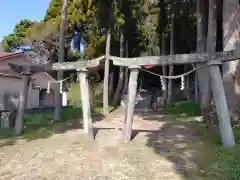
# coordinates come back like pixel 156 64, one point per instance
pixel 213 60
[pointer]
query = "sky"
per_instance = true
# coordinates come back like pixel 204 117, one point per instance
pixel 12 11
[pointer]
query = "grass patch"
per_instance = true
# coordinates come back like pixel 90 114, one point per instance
pixel 185 108
pixel 41 126
pixel 214 161
pixel 97 99
pixel 68 113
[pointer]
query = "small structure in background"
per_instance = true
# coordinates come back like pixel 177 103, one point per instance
pixel 12 82
pixel 65 96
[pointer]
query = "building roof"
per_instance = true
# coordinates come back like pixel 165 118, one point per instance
pixel 11 74
pixel 4 55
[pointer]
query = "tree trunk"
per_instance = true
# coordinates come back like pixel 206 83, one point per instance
pixel 164 71
pixel 163 51
pixel 187 84
pixel 106 71
pixel 211 47
pixel 61 57
pixel 117 95
pixel 231 30
pixel 125 87
pixel 111 82
pixel 196 88
pixel 212 27
pixel 203 74
pixel 170 73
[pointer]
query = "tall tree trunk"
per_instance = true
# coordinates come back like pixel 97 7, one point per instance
pixel 117 95
pixel 61 56
pixel 125 87
pixel 211 45
pixel 231 30
pixel 164 71
pixel 187 84
pixel 170 73
pixel 203 74
pixel 163 51
pixel 111 82
pixel 196 87
pixel 107 65
pixel 212 27
pixel 201 46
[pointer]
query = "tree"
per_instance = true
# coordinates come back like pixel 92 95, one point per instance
pixel 54 10
pixel 162 32
pixel 16 38
pixel 107 61
pixel 61 56
pixel 203 74
pixel 172 39
pixel 143 25
pixel 120 20
pixel 10 41
pixel 118 92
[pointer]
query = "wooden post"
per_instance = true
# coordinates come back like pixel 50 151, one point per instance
pixel 221 106
pixel 131 98
pixel 86 109
pixel 19 124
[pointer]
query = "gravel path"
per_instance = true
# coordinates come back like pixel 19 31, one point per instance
pixel 70 156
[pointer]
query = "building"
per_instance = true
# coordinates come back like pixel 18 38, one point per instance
pixel 11 84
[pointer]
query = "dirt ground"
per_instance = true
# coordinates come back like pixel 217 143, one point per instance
pixel 161 149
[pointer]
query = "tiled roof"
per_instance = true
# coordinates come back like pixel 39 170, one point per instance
pixel 9 73
pixel 8 54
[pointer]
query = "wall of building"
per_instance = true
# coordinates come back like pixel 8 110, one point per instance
pixel 12 87
pixel 40 79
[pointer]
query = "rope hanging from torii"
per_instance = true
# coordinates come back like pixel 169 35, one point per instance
pixel 215 62
pixel 60 82
pixel 164 86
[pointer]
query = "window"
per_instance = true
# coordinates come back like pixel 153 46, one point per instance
pixel 42 94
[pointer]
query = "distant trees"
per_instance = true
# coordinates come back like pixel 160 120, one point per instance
pixel 16 38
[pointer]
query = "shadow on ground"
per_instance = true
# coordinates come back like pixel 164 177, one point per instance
pixel 181 142
pixel 174 142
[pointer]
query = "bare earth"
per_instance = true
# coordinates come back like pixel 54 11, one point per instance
pixel 161 150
